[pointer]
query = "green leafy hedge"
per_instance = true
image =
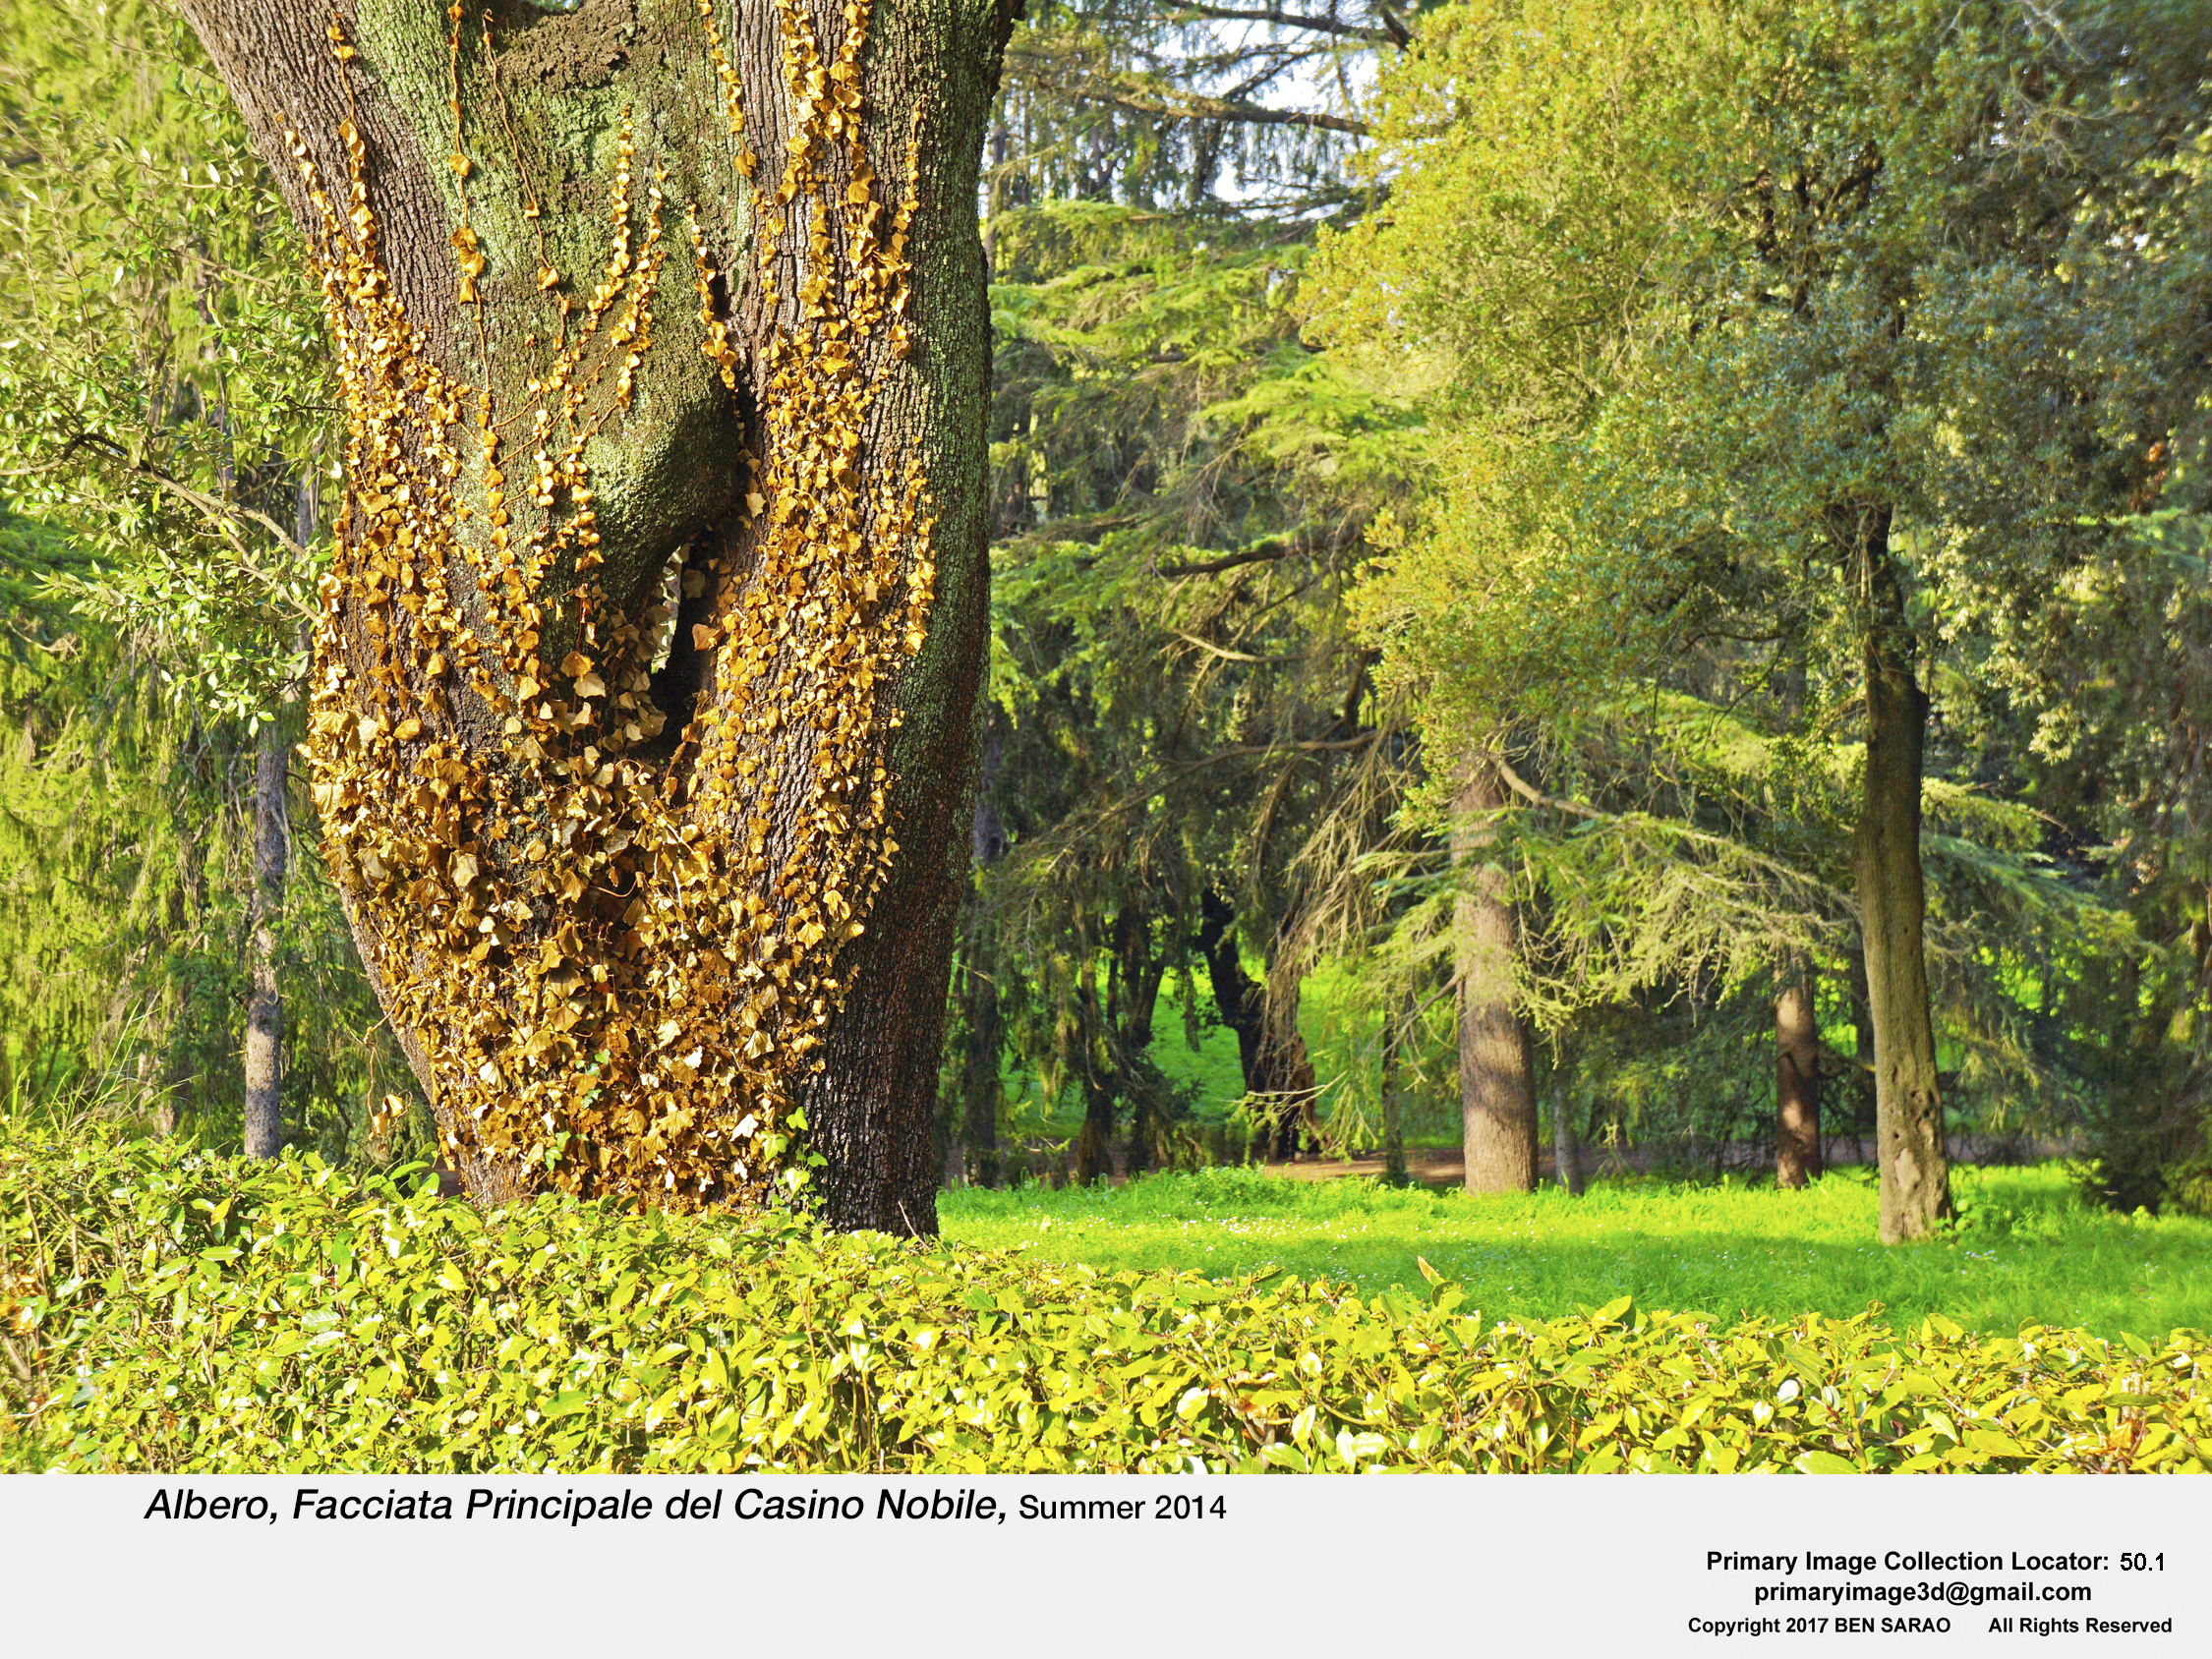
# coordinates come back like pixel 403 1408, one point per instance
pixel 173 1311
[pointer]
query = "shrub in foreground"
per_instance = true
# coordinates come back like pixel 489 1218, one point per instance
pixel 177 1312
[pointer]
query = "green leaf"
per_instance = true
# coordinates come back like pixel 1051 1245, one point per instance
pixel 1823 1462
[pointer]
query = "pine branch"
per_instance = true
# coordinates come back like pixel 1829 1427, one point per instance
pixel 1118 93
pixel 1259 552
pixel 1391 33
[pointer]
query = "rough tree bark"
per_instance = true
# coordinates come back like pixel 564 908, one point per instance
pixel 1496 1087
pixel 1908 1112
pixel 265 1011
pixel 646 298
pixel 1797 1081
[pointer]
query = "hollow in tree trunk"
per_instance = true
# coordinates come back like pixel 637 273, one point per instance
pixel 640 299
pixel 1908 1125
pixel 1497 1093
pixel 1797 1081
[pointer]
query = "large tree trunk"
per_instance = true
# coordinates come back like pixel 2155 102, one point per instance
pixel 1915 1171
pixel 613 290
pixel 1496 1088
pixel 1797 1081
pixel 264 1013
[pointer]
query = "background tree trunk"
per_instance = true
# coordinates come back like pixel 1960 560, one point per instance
pixel 976 1148
pixel 1497 1093
pixel 1566 1145
pixel 1095 1077
pixel 1797 1081
pixel 264 1013
pixel 1394 1026
pixel 627 296
pixel 1286 1067
pixel 1270 1051
pixel 1862 1050
pixel 1915 1169
pixel 976 1103
pixel 1238 997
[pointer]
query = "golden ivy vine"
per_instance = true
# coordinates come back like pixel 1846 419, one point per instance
pixel 618 962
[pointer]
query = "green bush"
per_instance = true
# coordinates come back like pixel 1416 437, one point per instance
pixel 175 1311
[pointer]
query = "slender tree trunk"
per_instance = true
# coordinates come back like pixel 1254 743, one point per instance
pixel 1393 1089
pixel 1132 1001
pixel 982 1023
pixel 1270 1051
pixel 1797 1082
pixel 158 1071
pixel 1497 1093
pixel 1287 1068
pixel 1095 1075
pixel 1862 1052
pixel 1566 1147
pixel 1000 144
pixel 1093 1142
pixel 978 1143
pixel 1915 1169
pixel 264 1013
pixel 1237 996
pixel 616 289
pixel 1114 1033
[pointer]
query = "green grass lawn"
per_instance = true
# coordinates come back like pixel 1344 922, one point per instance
pixel 2028 1251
